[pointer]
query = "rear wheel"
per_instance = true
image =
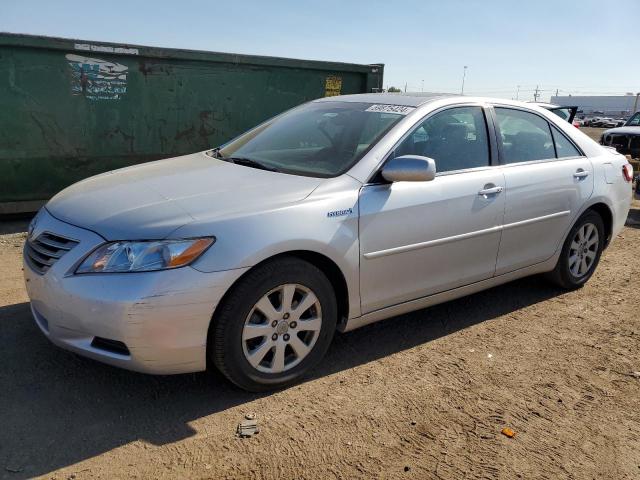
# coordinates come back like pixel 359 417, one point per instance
pixel 580 253
pixel 274 326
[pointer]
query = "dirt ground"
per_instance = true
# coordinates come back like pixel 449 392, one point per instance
pixel 423 395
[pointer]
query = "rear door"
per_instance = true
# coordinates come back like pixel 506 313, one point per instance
pixel 547 180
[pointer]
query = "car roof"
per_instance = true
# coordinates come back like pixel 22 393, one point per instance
pixel 419 99
pixel 404 99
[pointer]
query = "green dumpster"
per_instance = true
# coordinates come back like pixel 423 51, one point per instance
pixel 70 109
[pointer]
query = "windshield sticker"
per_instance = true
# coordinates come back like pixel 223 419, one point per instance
pixel 397 109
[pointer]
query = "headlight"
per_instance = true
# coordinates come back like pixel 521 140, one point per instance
pixel 144 256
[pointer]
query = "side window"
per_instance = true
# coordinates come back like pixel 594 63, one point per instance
pixel 564 148
pixel 525 136
pixel 455 138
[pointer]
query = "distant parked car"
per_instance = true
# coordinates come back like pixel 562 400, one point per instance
pixel 625 139
pixel 592 121
pixel 609 123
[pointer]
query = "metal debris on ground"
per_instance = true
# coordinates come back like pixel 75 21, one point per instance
pixel 248 427
pixel 508 432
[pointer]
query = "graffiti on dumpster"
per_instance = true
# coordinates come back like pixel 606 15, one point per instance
pixel 97 79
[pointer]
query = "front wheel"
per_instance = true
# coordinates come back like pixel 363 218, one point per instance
pixel 580 253
pixel 274 326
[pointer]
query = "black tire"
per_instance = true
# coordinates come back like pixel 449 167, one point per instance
pixel 225 347
pixel 562 275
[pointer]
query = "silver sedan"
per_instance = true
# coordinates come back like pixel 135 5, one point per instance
pixel 335 214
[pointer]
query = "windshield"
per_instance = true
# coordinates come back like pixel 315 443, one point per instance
pixel 563 113
pixel 322 139
pixel 634 121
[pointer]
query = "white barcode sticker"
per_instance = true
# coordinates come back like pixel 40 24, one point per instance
pixel 398 109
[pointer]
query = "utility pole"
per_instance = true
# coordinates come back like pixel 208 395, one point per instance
pixel 556 92
pixel 422 88
pixel 405 87
pixel 635 104
pixel 518 93
pixel 536 94
pixel 464 74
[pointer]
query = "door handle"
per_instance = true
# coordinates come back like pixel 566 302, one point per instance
pixel 580 173
pixel 489 191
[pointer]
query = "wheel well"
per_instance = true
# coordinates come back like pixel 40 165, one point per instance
pixel 333 273
pixel 607 218
pixel 325 264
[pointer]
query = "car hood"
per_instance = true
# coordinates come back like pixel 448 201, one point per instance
pixel 623 130
pixel 151 200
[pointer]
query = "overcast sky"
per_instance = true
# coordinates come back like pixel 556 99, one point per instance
pixel 575 46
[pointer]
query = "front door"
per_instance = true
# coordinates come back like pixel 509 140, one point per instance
pixel 420 238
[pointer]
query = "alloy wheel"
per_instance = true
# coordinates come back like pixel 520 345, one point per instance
pixel 282 328
pixel 583 250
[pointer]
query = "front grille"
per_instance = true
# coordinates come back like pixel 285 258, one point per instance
pixel 44 251
pixel 625 144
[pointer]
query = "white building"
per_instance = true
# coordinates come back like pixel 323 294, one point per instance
pixel 610 105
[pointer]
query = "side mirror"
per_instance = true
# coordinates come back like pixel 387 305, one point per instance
pixel 409 168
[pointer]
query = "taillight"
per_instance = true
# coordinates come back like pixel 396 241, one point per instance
pixel 576 124
pixel 627 172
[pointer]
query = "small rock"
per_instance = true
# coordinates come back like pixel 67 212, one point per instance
pixel 247 428
pixel 406 468
pixel 250 416
pixel 413 422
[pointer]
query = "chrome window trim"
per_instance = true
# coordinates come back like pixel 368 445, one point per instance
pixel 544 160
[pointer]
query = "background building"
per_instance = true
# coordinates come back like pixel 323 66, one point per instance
pixel 610 105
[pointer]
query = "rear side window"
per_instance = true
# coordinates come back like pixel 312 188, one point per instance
pixel 455 138
pixel 564 148
pixel 525 136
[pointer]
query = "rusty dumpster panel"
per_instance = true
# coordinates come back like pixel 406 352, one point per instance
pixel 74 108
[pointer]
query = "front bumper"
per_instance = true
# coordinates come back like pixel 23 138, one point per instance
pixel 162 317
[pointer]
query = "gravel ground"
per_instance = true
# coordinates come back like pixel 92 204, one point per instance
pixel 424 395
